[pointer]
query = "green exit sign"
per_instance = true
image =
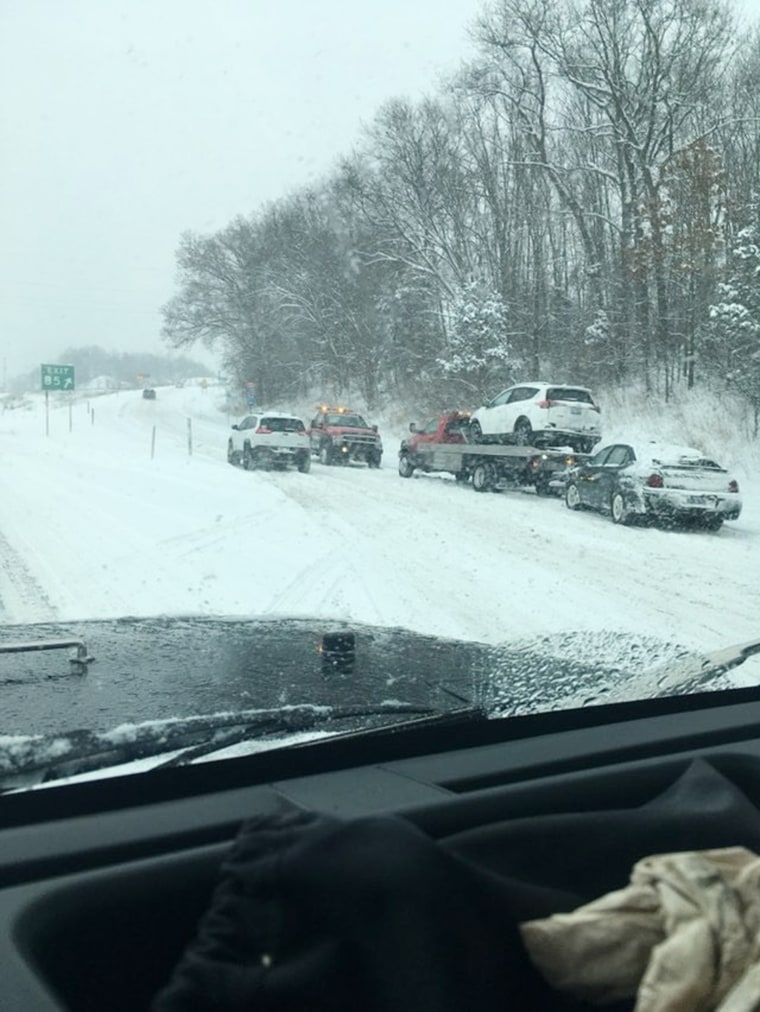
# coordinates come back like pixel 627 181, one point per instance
pixel 57 377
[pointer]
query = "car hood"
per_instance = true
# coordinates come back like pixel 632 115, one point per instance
pixel 155 668
pixel 140 688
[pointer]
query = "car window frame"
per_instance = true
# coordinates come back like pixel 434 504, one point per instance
pixel 604 453
pixel 523 393
pixel 589 400
pixel 627 456
pixel 268 419
pixel 500 399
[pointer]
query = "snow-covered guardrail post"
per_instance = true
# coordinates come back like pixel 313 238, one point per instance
pixel 153 443
pixel 189 437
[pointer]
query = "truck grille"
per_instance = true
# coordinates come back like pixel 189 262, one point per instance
pixel 357 440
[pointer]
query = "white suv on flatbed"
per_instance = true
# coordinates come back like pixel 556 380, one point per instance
pixel 540 414
pixel 270 439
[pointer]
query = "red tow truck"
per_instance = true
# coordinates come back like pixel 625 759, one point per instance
pixel 339 435
pixel 443 444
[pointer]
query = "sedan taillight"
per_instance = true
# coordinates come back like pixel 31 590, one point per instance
pixel 655 481
pixel 733 486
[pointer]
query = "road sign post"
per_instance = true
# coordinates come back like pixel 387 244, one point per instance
pixel 56 377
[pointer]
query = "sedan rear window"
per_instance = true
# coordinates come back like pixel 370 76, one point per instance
pixel 569 394
pixel 283 424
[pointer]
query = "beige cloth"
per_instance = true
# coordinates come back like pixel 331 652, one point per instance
pixel 684 936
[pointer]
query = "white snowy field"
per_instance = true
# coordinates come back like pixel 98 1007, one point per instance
pixel 92 526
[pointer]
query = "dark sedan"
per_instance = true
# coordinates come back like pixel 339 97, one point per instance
pixel 653 481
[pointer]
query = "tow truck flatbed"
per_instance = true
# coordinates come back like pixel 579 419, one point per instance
pixel 443 445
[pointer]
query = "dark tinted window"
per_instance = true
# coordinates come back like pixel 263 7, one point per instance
pixel 569 394
pixel 620 455
pixel 522 394
pixel 601 457
pixel 283 424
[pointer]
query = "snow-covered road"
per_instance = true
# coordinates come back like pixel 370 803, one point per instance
pixel 92 527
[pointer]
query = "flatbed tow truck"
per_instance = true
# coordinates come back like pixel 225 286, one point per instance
pixel 444 444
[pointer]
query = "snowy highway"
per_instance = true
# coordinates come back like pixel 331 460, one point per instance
pixel 92 527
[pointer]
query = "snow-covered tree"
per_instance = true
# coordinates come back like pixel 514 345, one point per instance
pixel 735 319
pixel 478 349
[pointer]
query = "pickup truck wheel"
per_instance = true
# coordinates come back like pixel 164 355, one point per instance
pixel 572 497
pixel 482 479
pixel 405 466
pixel 325 454
pixel 304 464
pixel 374 459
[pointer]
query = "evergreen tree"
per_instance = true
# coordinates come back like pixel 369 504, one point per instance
pixel 478 352
pixel 734 336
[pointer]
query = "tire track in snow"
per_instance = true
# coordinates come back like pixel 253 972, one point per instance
pixel 21 596
pixel 512 564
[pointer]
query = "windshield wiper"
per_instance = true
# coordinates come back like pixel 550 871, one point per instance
pixel 29 761
pixel 420 718
pixel 690 676
pixel 682 677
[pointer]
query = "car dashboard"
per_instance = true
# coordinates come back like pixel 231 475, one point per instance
pixel 102 883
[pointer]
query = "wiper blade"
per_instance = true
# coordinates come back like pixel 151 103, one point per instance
pixel 42 758
pixel 419 718
pixel 695 673
pixel 691 676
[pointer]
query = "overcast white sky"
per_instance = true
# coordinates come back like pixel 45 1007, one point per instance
pixel 125 122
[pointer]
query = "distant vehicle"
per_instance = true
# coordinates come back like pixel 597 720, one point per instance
pixel 270 439
pixel 651 481
pixel 340 435
pixel 149 394
pixel 540 414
